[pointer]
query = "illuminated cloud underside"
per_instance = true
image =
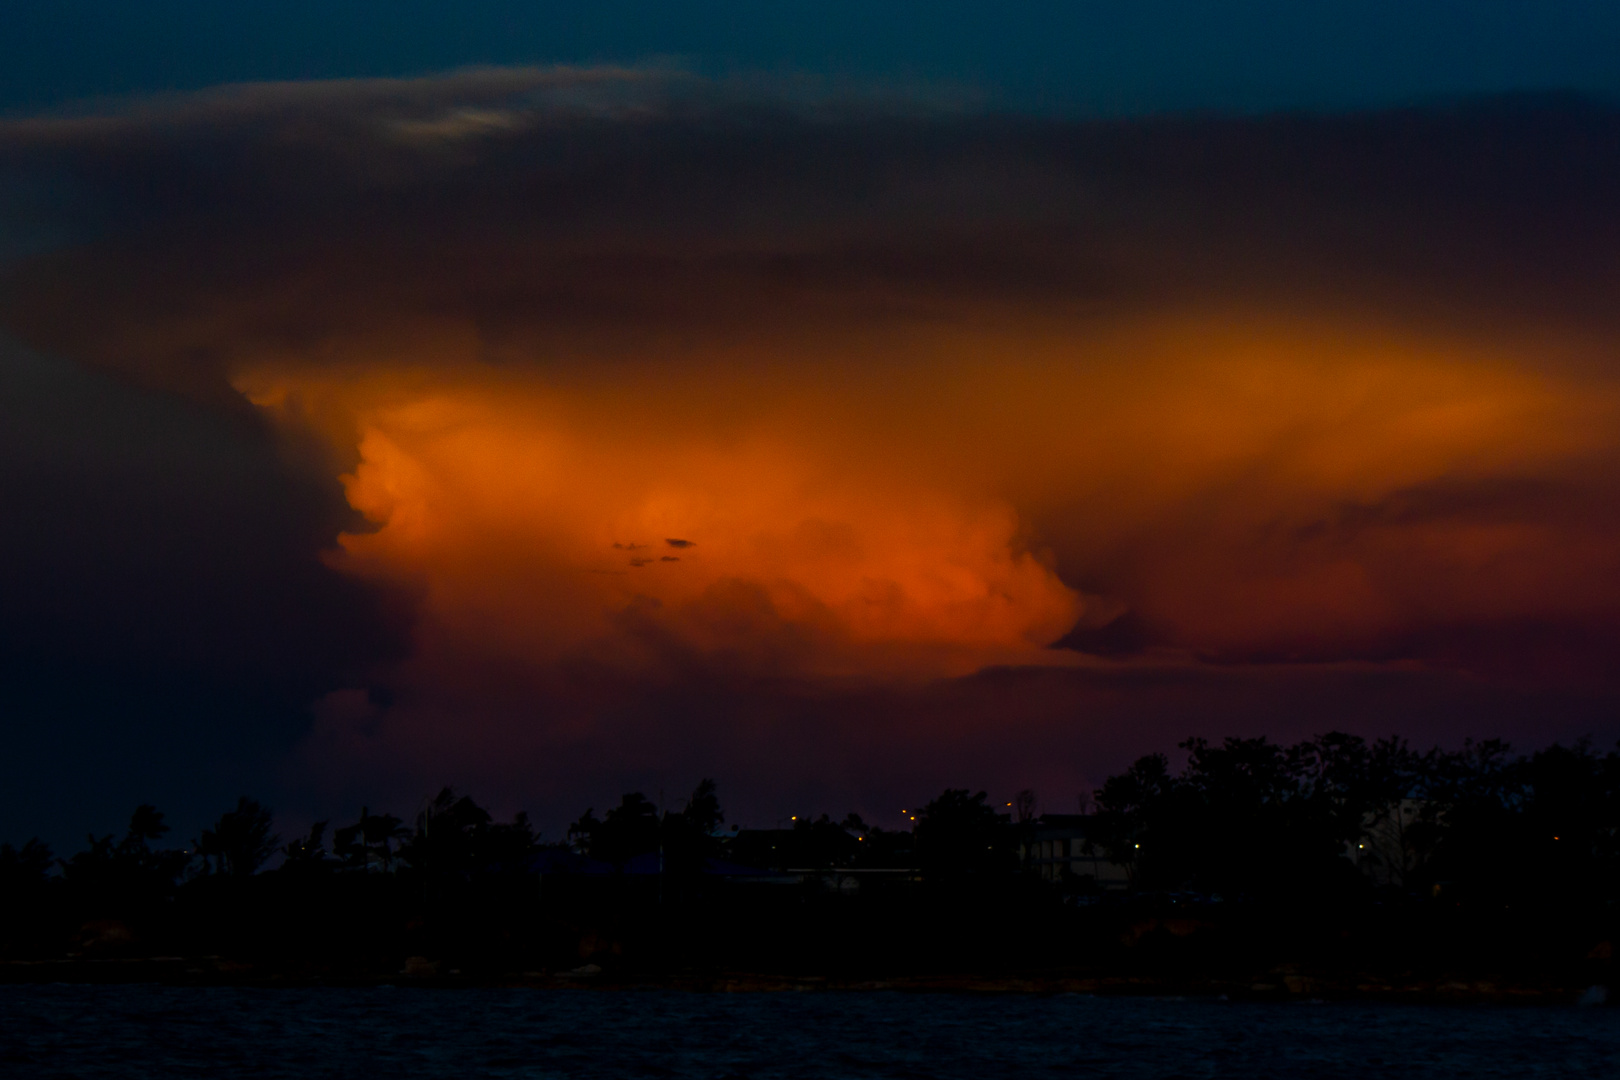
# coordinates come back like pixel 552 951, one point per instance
pixel 1263 485
pixel 639 381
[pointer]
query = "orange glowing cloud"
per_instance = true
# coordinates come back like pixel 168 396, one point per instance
pixel 654 392
pixel 537 521
pixel 935 502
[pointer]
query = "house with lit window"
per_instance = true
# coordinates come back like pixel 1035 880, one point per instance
pixel 1059 849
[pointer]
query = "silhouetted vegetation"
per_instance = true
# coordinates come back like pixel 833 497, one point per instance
pixel 960 835
pixel 1338 816
pixel 1332 854
pixel 239 843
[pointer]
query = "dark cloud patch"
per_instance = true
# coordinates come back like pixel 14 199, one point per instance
pixel 587 211
pixel 1123 635
pixel 146 531
pixel 165 618
pixel 1577 498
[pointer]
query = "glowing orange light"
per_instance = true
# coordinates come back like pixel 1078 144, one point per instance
pixel 904 512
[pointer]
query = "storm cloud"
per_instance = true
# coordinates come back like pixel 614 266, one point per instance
pixel 845 444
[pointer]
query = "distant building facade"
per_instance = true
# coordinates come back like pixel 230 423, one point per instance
pixel 1059 849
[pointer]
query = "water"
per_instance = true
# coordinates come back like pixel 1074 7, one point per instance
pixel 380 1032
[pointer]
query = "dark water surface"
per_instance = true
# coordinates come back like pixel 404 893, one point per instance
pixel 158 1031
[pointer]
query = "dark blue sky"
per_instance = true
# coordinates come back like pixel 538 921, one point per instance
pixel 1094 56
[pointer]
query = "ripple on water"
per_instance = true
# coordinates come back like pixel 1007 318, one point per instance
pixel 158 1031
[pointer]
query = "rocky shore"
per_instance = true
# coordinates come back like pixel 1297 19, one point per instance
pixel 1279 984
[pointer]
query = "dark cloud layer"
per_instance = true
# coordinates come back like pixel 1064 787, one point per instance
pixel 542 202
pixel 1391 333
pixel 164 616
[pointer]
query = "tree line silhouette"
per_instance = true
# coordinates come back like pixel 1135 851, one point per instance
pixel 1331 851
pixel 1337 814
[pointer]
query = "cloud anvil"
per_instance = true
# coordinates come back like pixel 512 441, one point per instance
pixel 680 415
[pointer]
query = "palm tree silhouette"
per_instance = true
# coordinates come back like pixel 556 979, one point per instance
pixel 240 841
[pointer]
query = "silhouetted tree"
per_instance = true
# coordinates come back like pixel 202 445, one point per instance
pixel 1144 804
pixel 688 835
pixel 1252 816
pixel 240 841
pixel 1501 847
pixel 1270 818
pixel 381 833
pixel 146 826
pixel 131 869
pixel 1397 829
pixel 1567 823
pixel 822 842
pixel 509 846
pixel 374 840
pixel 451 833
pixel 877 847
pixel 959 834
pixel 582 832
pixel 25 896
pixel 349 847
pixel 627 830
pixel 307 853
pixel 702 812
pixel 1246 815
pixel 24 868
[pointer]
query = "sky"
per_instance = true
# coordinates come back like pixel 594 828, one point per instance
pixel 1112 57
pixel 836 402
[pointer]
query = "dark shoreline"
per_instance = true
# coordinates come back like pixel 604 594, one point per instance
pixel 1273 986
